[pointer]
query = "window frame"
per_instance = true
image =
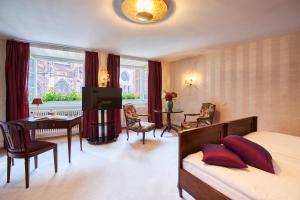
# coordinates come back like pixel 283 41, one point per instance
pixel 52 104
pixel 144 91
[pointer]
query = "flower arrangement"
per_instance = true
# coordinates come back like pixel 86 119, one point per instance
pixel 169 96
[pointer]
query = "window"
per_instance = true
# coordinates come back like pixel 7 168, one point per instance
pixel 56 76
pixel 134 80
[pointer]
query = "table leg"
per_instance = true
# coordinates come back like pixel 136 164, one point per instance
pixel 169 126
pixel 80 136
pixel 164 131
pixel 33 134
pixel 69 143
pixel 175 129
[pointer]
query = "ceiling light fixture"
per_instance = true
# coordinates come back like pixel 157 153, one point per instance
pixel 144 11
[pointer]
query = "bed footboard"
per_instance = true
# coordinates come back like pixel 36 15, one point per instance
pixel 190 141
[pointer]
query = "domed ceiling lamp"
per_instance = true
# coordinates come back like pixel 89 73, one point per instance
pixel 144 11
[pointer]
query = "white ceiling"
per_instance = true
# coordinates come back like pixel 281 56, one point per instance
pixel 194 26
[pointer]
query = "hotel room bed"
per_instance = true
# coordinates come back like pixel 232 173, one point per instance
pixel 205 181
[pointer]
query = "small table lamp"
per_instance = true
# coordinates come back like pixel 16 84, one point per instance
pixel 37 102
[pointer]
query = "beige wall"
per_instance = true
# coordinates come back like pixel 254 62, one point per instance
pixel 102 56
pixel 2 84
pixel 166 79
pixel 260 78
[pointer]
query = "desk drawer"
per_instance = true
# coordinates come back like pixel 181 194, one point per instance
pixel 49 125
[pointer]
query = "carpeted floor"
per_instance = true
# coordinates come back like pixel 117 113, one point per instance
pixel 117 171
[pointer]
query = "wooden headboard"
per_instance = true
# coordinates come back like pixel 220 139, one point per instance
pixel 190 141
pixel 241 126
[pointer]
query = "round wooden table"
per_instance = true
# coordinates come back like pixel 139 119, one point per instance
pixel 169 126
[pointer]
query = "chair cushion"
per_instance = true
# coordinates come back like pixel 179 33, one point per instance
pixel 188 125
pixel 38 145
pixel 145 127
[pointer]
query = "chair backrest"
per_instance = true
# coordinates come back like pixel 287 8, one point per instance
pixel 129 112
pixel 208 110
pixel 14 137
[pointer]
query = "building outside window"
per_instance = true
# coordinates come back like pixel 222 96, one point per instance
pixel 134 80
pixel 57 77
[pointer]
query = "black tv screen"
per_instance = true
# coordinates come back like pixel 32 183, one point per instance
pixel 98 98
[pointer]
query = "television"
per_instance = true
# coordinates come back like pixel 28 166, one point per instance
pixel 100 98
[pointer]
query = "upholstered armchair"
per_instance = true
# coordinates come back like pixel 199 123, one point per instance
pixel 204 118
pixel 134 123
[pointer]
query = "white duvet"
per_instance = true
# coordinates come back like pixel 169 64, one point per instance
pixel 253 183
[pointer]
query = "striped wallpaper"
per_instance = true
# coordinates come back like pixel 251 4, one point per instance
pixel 259 77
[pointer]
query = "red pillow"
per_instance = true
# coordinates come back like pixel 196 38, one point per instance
pixel 251 153
pixel 216 154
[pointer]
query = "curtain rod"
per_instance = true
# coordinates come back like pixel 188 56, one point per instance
pixel 75 49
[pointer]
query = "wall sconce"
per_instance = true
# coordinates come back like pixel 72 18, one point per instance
pixel 189 82
pixel 103 77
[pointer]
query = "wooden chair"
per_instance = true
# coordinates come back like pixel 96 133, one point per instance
pixel 19 145
pixel 204 118
pixel 134 123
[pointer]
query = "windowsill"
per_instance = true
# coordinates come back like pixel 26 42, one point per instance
pixel 57 104
pixel 78 104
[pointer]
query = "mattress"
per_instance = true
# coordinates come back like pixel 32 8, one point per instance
pixel 253 183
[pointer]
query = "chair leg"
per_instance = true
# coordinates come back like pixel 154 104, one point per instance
pixel 12 162
pixel 35 162
pixel 127 134
pixel 55 158
pixel 154 132
pixel 8 168
pixel 143 137
pixel 27 166
pixel 80 140
pixel 137 133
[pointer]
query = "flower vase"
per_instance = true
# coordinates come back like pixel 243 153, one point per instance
pixel 169 106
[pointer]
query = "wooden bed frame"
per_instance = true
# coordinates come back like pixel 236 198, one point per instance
pixel 190 141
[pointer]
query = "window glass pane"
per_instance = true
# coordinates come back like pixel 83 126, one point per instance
pixel 134 80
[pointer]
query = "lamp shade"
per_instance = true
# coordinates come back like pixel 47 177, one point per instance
pixel 144 11
pixel 37 101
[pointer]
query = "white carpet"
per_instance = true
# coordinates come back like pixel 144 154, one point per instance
pixel 117 171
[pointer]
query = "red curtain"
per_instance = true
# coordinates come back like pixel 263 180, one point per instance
pixel 90 118
pixel 16 72
pixel 154 92
pixel 113 68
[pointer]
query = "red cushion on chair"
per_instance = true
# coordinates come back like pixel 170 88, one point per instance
pixel 37 145
pixel 215 154
pixel 251 153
